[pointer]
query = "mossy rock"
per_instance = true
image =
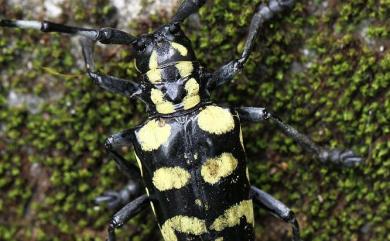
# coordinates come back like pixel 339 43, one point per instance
pixel 323 67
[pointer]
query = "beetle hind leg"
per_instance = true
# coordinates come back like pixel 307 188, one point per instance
pixel 115 199
pixel 124 215
pixel 343 157
pixel 277 209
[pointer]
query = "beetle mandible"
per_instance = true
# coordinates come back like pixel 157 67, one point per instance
pixel 190 151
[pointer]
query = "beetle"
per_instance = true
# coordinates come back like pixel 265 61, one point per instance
pixel 190 152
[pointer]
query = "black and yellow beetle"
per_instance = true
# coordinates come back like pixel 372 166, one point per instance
pixel 190 152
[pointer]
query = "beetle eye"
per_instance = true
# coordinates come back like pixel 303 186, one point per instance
pixel 174 28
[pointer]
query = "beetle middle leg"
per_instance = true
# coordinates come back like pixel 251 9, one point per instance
pixel 276 208
pixel 337 156
pixel 115 198
pixel 124 215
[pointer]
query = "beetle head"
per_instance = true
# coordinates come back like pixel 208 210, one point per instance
pixel 166 46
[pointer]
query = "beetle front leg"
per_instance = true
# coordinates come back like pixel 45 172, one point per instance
pixel 124 215
pixel 337 156
pixel 110 83
pixel 276 208
pixel 263 13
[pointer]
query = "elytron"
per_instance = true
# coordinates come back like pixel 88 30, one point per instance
pixel 190 152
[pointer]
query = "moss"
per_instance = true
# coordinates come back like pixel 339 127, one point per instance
pixel 312 66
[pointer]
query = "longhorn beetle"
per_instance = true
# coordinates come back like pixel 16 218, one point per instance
pixel 190 151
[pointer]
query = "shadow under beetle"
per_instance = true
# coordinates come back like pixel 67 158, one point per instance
pixel 190 151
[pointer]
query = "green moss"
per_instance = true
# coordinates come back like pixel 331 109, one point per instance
pixel 52 163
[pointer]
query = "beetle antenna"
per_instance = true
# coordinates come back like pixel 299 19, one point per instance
pixel 104 35
pixel 187 8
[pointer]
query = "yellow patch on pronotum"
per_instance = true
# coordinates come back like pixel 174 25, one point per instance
pixel 183 224
pixel 168 178
pixel 153 135
pixel 232 216
pixel 139 164
pixel 153 61
pixel 213 170
pixel 192 98
pixel 154 75
pixel 185 68
pixel 162 106
pixel 180 48
pixel 215 120
pixel 219 239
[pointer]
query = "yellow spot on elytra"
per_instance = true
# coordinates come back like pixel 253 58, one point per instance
pixel 163 106
pixel 215 120
pixel 198 202
pixel 168 178
pixel 154 76
pixel 232 216
pixel 185 68
pixel 183 224
pixel 139 164
pixel 153 61
pixel 153 135
pixel 192 98
pixel 180 48
pixel 213 170
pixel 219 239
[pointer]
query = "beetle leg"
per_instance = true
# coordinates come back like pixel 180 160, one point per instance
pixel 117 140
pixel 115 199
pixel 187 8
pixel 343 157
pixel 263 13
pixel 276 208
pixel 104 35
pixel 110 83
pixel 127 212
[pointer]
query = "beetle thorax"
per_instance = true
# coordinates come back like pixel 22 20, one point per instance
pixel 170 72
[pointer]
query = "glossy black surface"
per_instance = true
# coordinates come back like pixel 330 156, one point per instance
pixel 189 147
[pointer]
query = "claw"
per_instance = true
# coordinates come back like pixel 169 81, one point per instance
pixel 343 157
pixel 111 199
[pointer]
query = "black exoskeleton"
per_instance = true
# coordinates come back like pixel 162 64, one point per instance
pixel 190 151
